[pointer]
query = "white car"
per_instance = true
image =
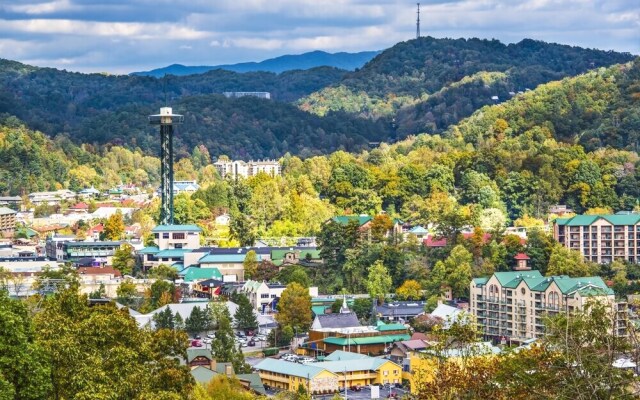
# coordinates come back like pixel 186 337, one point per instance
pixel 207 340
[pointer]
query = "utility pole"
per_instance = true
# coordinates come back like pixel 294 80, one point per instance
pixel 418 23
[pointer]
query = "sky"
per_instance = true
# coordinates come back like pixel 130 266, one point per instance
pixel 121 36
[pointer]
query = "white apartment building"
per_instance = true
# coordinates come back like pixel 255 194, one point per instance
pixel 512 305
pixel 239 168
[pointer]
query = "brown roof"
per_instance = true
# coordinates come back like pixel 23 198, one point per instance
pixel 418 336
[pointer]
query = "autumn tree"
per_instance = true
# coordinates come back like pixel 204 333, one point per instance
pixel 114 226
pixel 294 307
pixel 564 261
pixel 123 259
pixel 410 290
pixel 454 272
pixel 250 264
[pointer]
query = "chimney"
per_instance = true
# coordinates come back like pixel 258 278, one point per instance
pixel 228 370
pixel 214 364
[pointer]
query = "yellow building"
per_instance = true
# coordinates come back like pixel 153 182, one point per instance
pixel 342 369
pixel 287 375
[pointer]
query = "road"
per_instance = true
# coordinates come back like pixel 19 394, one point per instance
pixel 364 394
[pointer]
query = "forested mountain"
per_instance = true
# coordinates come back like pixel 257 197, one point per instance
pixel 312 59
pixel 101 109
pixel 427 84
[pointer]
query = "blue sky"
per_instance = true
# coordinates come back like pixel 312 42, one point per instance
pixel 120 36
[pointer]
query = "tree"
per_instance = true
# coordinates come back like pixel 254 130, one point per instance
pixel 126 292
pixel 245 316
pixel 294 273
pixel 410 290
pixel 564 261
pixel 223 345
pixel 380 225
pixel 242 229
pixel 114 226
pixel 250 264
pixel 24 366
pixel 362 308
pixel 222 387
pixel 197 321
pixel 160 293
pixel 378 281
pixel 266 271
pixel 163 271
pixel 123 259
pixel 454 272
pixel 164 319
pixel 294 307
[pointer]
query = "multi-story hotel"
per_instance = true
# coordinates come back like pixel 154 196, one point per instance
pixel 239 168
pixel 601 238
pixel 512 305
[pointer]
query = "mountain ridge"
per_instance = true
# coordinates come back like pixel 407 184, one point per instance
pixel 287 62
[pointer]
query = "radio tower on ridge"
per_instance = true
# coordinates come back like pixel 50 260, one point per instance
pixel 418 23
pixel 166 119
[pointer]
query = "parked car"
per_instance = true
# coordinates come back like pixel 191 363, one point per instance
pixel 251 343
pixel 197 337
pixel 196 343
pixel 211 335
pixel 207 341
pixel 306 360
pixel 356 388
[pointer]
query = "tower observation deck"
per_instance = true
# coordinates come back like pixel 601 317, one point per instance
pixel 166 119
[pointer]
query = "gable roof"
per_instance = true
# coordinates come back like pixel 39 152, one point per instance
pixel 226 258
pixel 194 353
pixel 190 274
pixel 254 381
pixel 380 339
pixel 362 364
pixel 202 374
pixel 345 219
pixel 585 220
pixel 289 368
pixel 344 355
pixel 336 320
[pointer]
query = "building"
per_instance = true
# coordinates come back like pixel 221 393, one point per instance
pixel 7 222
pixel 185 187
pixel 239 168
pixel 51 198
pixel 364 223
pixel 235 95
pixel 400 310
pixel 177 236
pixel 601 238
pixel 510 306
pixel 341 369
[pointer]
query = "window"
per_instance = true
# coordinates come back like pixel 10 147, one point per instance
pixel 554 299
pixel 273 296
pixel 156 235
pixel 165 235
pixel 385 373
pixel 264 295
pixel 178 245
pixel 523 291
pixel 178 235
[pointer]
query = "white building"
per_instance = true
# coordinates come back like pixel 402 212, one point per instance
pixel 51 198
pixel 239 168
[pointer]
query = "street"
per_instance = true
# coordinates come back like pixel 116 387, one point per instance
pixel 364 394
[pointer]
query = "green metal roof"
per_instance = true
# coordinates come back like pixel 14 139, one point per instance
pixel 512 279
pixel 361 364
pixel 585 220
pixel 345 219
pixel 226 258
pixel 318 310
pixel 391 327
pixel 193 353
pixel 302 254
pixel 288 368
pixel 255 383
pixel 173 252
pixel 339 355
pixel 149 250
pixel 203 375
pixel 176 228
pixel 194 273
pixel 340 341
pixel 538 283
pixel 480 281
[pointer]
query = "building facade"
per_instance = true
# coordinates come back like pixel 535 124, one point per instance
pixel 512 305
pixel 601 238
pixel 239 168
pixel 7 221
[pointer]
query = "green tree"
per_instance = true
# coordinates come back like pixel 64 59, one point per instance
pixel 242 229
pixel 564 261
pixel 24 367
pixel 378 281
pixel 454 272
pixel 294 273
pixel 163 271
pixel 197 321
pixel 164 319
pixel 294 307
pixel 114 226
pixel 223 345
pixel 127 292
pixel 123 259
pixel 250 264
pixel 245 316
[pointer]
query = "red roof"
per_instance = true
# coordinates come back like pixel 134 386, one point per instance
pixel 522 256
pixel 80 206
pixel 485 236
pixel 97 228
pixel 430 241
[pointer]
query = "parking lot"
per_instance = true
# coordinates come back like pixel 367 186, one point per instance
pixel 364 394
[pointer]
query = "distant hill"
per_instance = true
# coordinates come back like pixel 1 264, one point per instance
pixel 106 110
pixel 346 61
pixel 427 84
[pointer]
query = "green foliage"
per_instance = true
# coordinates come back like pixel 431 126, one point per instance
pixel 564 261
pixel 123 259
pixel 163 271
pixel 378 281
pixel 223 346
pixel 294 307
pixel 454 272
pixel 294 273
pixel 198 321
pixel 250 264
pixel 245 317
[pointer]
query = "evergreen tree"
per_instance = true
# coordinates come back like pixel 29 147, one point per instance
pixel 245 316
pixel 164 319
pixel 178 322
pixel 197 321
pixel 223 346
